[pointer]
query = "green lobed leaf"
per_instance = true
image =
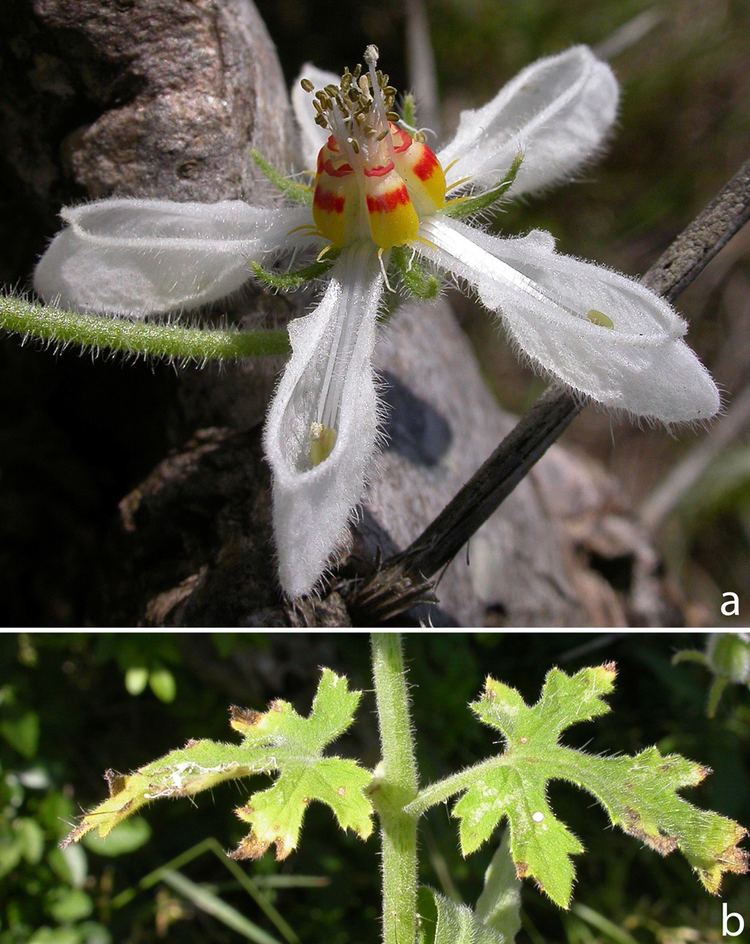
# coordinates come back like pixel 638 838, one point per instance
pixel 278 740
pixel 639 793
pixel 297 743
pixel 442 921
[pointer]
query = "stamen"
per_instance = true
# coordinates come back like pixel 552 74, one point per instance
pixel 451 164
pixel 427 242
pixel 324 252
pixel 307 85
pixel 383 269
pixel 457 183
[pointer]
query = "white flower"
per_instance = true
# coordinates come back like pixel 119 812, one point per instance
pixel 378 187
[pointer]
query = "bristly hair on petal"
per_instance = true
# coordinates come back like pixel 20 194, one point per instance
pixel 140 257
pixel 559 111
pixel 603 335
pixel 322 427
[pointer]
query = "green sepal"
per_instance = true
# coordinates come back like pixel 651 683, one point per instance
pixel 292 189
pixel 289 281
pixel 415 278
pixel 461 207
pixel 409 111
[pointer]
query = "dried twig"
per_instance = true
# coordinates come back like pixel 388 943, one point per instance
pixel 391 589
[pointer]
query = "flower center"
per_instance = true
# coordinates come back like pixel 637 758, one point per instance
pixel 373 180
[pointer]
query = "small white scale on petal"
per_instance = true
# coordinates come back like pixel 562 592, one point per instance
pixel 322 441
pixel 599 318
pixel 537 817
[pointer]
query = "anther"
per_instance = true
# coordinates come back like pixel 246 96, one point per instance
pixel 392 115
pixel 307 85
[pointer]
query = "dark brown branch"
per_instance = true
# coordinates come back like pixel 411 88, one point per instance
pixel 394 586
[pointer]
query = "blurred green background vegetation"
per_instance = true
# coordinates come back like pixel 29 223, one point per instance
pixel 683 131
pixel 72 706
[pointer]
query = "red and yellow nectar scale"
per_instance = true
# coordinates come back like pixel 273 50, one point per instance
pixel 385 199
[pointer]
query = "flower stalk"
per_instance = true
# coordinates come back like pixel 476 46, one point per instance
pixel 137 338
pixel 395 786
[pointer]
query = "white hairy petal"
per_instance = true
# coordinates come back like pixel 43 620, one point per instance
pixel 139 257
pixel 640 364
pixel 557 112
pixel 331 350
pixel 313 136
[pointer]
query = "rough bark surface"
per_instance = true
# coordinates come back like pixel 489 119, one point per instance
pixel 165 98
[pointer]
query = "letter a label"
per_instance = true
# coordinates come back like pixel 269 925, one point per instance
pixel 731 604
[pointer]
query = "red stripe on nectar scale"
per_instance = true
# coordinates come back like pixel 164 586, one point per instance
pixel 379 171
pixel 327 201
pixel 388 201
pixel 343 170
pixel 404 141
pixel 425 165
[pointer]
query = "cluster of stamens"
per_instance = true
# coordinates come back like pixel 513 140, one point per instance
pixel 360 106
pixel 374 181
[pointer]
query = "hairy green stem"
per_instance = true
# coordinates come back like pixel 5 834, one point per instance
pixel 395 786
pixel 57 326
pixel 443 790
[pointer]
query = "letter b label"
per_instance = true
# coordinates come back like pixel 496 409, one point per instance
pixel 732 918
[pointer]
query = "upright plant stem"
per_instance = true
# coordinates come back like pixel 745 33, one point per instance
pixel 396 786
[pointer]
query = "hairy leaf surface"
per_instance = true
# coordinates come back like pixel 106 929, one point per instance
pixel 640 793
pixel 277 740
